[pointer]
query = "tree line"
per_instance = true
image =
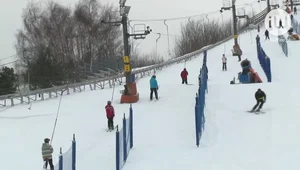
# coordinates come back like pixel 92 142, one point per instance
pixel 58 45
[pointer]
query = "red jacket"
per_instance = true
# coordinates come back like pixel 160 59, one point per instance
pixel 110 112
pixel 184 74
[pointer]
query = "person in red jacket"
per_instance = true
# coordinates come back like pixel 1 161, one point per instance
pixel 110 114
pixel 184 75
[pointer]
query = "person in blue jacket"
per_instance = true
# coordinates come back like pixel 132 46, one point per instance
pixel 153 87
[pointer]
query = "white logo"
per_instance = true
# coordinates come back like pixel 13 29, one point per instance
pixel 278 22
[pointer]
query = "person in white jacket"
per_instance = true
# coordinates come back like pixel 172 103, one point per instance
pixel 224 62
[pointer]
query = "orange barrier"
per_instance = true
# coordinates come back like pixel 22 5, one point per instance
pixel 255 76
pixel 134 95
pixel 296 36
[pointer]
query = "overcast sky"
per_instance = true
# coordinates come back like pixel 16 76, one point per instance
pixel 11 11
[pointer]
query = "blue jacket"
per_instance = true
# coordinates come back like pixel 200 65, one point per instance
pixel 153 83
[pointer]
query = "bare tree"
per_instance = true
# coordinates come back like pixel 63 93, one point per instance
pixel 59 46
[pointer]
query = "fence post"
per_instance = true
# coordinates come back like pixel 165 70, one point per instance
pixel 60 161
pixel 258 45
pixel 74 153
pixel 131 125
pixel 196 125
pixel 117 149
pixel 124 139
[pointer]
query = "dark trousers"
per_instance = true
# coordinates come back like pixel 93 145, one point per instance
pixel 184 81
pixel 151 93
pixel 224 67
pixel 267 37
pixel 260 103
pixel 50 162
pixel 239 56
pixel 110 123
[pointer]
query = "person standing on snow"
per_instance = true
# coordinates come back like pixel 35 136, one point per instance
pixel 224 62
pixel 47 151
pixel 261 98
pixel 267 34
pixel 295 10
pixel 184 75
pixel 110 114
pixel 153 87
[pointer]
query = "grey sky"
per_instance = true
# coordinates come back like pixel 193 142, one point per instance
pixel 11 11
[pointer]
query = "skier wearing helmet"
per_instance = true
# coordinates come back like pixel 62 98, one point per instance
pixel 110 114
pixel 260 97
pixel 47 151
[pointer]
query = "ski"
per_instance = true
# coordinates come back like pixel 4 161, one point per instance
pixel 110 130
pixel 256 112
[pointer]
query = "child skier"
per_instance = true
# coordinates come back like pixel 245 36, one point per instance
pixel 261 98
pixel 47 151
pixel 153 87
pixel 110 114
pixel 184 75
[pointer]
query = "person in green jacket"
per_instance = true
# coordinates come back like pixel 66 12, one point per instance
pixel 47 151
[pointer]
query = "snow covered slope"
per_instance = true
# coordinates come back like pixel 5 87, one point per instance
pixel 164 132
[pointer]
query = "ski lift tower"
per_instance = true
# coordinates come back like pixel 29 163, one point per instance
pixel 129 94
pixel 230 5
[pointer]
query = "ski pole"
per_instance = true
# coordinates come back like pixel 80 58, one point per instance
pixel 112 96
pixel 57 115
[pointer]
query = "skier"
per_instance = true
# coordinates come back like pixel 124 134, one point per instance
pixel 261 98
pixel 267 34
pixel 295 10
pixel 47 151
pixel 224 62
pixel 153 87
pixel 110 114
pixel 184 75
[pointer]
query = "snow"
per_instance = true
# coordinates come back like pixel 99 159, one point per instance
pixel 164 132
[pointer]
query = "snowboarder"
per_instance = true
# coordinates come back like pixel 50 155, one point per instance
pixel 224 62
pixel 267 34
pixel 261 98
pixel 184 75
pixel 295 10
pixel 47 151
pixel 110 114
pixel 153 87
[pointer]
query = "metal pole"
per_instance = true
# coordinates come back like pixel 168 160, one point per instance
pixel 234 22
pixel 269 6
pixel 168 37
pixel 126 46
pixel 156 44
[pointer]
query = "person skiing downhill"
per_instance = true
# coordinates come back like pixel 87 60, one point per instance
pixel 224 63
pixel 153 87
pixel 267 34
pixel 47 151
pixel 260 97
pixel 184 75
pixel 110 114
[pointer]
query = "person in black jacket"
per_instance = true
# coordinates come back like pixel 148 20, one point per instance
pixel 267 34
pixel 260 97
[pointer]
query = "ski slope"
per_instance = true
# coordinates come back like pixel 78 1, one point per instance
pixel 164 132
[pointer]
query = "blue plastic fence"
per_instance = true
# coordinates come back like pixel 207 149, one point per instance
pixel 124 140
pixel 67 160
pixel 264 60
pixel 200 100
pixel 284 46
pixel 296 26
